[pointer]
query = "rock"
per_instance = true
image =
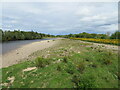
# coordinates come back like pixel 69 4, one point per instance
pixel 29 69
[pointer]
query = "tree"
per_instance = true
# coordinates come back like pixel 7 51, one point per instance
pixel 20 35
pixel 115 35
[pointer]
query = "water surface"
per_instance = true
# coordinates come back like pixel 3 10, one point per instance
pixel 12 45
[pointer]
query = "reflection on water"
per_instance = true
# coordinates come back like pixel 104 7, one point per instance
pixel 12 45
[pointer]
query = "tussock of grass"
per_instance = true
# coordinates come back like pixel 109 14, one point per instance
pixel 41 62
pixel 81 67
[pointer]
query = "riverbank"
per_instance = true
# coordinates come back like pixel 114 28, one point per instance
pixel 22 53
pixel 69 64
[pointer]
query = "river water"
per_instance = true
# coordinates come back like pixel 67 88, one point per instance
pixel 12 45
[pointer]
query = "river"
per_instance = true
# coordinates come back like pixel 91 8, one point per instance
pixel 12 45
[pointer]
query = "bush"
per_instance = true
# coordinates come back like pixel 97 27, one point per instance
pixel 41 62
pixel 81 67
pixel 65 59
pixel 99 50
pixel 87 82
pixel 93 65
pixel 59 68
pixel 83 82
pixel 87 59
pixel 71 69
pixel 76 80
pixel 107 61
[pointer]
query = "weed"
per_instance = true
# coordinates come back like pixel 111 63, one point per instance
pixel 107 61
pixel 65 50
pixel 41 62
pixel 65 59
pixel 76 80
pixel 99 50
pixel 59 68
pixel 118 75
pixel 103 46
pixel 91 47
pixel 93 65
pixel 87 59
pixel 81 67
pixel 86 82
pixel 110 53
pixel 71 69
pixel 83 82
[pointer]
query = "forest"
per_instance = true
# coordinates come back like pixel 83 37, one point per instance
pixel 30 35
pixel 115 35
pixel 21 35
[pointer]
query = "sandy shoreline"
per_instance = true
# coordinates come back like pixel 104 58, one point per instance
pixel 22 53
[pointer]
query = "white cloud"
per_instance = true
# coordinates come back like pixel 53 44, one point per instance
pixel 63 18
pixel 94 18
pixel 85 10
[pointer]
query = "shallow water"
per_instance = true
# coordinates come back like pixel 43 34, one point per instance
pixel 12 45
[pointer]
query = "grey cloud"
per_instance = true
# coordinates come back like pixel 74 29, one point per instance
pixel 60 18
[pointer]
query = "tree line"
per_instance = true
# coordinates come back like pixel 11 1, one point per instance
pixel 115 35
pixel 25 35
pixel 21 35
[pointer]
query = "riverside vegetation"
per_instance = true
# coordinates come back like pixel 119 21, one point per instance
pixel 24 35
pixel 21 35
pixel 69 64
pixel 105 41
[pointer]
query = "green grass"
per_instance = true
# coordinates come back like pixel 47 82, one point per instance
pixel 71 65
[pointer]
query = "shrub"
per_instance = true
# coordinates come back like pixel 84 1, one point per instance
pixel 99 50
pixel 65 59
pixel 87 59
pixel 106 58
pixel 76 80
pixel 110 53
pixel 81 67
pixel 83 82
pixel 86 82
pixel 93 65
pixel 118 75
pixel 71 69
pixel 107 61
pixel 91 47
pixel 59 68
pixel 41 62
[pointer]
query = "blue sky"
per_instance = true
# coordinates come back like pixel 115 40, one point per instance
pixel 60 17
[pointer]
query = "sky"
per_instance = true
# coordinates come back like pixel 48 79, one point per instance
pixel 60 18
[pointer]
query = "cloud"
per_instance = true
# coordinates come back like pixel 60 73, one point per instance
pixel 94 18
pixel 60 18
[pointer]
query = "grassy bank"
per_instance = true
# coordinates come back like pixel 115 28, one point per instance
pixel 70 64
